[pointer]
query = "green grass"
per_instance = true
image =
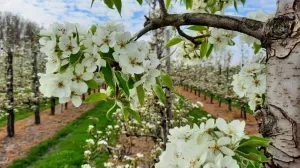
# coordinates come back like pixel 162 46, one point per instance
pixel 65 149
pixel 198 113
pixel 24 113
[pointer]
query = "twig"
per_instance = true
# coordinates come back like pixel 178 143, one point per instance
pixel 190 38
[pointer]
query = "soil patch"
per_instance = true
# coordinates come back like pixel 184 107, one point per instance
pixel 222 112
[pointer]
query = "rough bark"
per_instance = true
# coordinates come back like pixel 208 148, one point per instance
pixel 279 120
pixel 10 95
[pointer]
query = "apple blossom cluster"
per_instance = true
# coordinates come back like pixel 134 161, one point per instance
pixel 151 118
pixel 250 82
pixel 74 53
pixel 149 126
pixel 99 141
pixel 102 142
pixel 221 38
pixel 212 144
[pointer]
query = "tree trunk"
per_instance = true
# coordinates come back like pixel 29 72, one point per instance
pixel 281 115
pixel 66 106
pixel 10 95
pixel 229 104
pixel 35 88
pixel 279 120
pixel 52 103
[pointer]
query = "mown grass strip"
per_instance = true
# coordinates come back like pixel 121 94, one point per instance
pixel 24 113
pixel 65 149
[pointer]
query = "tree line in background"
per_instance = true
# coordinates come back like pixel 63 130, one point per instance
pixel 21 61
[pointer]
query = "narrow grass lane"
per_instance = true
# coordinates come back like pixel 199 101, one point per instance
pixel 65 149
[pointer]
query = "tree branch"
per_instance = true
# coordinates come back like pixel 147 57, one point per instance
pixel 190 38
pixel 162 7
pixel 241 24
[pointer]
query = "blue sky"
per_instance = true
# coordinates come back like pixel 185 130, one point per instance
pixel 45 12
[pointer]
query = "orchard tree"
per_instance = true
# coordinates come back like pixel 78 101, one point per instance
pixel 130 70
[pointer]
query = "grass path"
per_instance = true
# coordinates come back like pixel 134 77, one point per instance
pixel 65 148
pixel 28 135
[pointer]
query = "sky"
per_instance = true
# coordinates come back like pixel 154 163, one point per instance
pixel 45 12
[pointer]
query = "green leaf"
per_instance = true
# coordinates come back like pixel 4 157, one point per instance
pixel 135 114
pixel 257 47
pixel 92 3
pixel 93 29
pixel 231 42
pixel 211 3
pixel 141 94
pixel 74 58
pixel 140 2
pixel 92 84
pixel 168 3
pixel 110 91
pixel 111 111
pixel 235 5
pixel 251 153
pixel 63 68
pixel 122 82
pixel 83 47
pixel 166 79
pixel 203 49
pixel 255 141
pixel 157 81
pixel 77 35
pixel 197 28
pixel 96 97
pixel 188 4
pixel 210 49
pixel 125 114
pixel 109 3
pixel 159 93
pixel 108 76
pixel 167 56
pixel 118 4
pixel 173 41
pixel 130 83
pixel 243 2
pixel 108 56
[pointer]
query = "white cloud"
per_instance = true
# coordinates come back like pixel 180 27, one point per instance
pixel 45 12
